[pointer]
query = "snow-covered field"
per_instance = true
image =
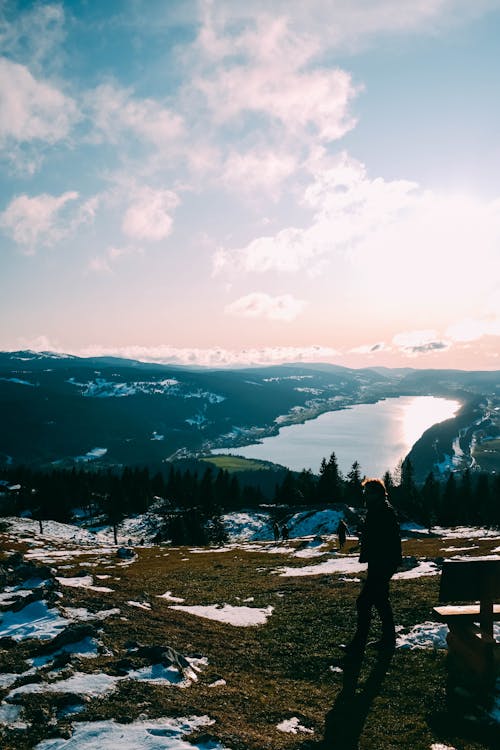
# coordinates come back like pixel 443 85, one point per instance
pixel 36 609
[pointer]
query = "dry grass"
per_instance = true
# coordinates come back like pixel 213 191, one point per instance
pixel 272 672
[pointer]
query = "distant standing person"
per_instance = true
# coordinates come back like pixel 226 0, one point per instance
pixel 342 532
pixel 381 549
pixel 285 534
pixel 276 531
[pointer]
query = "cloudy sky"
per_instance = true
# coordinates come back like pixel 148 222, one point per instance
pixel 223 182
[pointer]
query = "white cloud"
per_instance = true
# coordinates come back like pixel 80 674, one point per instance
pixel 31 109
pixel 348 207
pixel 104 263
pixel 370 348
pixel 33 34
pixel 36 221
pixel 414 343
pixel 267 69
pixel 415 246
pixel 261 305
pixel 87 211
pixel 166 354
pixel 258 170
pixel 288 250
pixel 349 23
pixel 148 216
pixel 115 112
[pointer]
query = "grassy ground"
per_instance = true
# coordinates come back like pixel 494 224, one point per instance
pixel 237 463
pixel 286 668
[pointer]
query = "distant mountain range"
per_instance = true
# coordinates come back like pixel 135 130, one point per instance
pixel 108 411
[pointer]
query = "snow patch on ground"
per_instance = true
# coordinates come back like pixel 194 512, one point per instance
pixel 102 388
pixel 314 548
pixel 348 564
pixel 257 526
pixel 92 455
pixel 84 582
pixel 91 685
pixel 422 635
pixel 471 557
pixel 10 715
pixel 8 678
pixel 423 568
pixel 98 683
pixel 18 381
pixel 168 596
pixel 466 532
pixel 158 675
pixel 35 620
pixel 312 523
pixel 139 605
pixel 248 526
pixel 146 734
pixel 293 726
pixel 226 613
pixel 82 614
pixel 53 531
pixel 11 597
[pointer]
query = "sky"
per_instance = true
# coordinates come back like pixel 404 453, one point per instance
pixel 221 183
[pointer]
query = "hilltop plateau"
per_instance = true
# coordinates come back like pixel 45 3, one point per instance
pixel 158 647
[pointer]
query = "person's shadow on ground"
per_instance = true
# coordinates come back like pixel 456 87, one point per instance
pixel 345 721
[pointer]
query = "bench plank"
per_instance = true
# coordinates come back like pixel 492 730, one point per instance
pixel 469 612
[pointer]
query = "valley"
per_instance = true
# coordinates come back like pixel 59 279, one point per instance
pixel 108 412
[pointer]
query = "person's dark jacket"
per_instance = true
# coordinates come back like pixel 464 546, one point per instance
pixel 381 541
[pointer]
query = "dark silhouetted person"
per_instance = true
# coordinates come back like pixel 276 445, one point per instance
pixel 276 531
pixel 342 532
pixel 381 548
pixel 285 534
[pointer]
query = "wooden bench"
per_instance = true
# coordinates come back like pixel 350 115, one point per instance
pixel 471 642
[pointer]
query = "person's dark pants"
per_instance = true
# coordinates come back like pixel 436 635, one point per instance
pixel 375 593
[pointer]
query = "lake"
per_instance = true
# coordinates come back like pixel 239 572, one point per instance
pixel 377 435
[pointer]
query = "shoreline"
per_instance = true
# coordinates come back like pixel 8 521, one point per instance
pixel 256 435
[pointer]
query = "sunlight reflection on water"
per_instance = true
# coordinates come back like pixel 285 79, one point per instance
pixel 424 411
pixel 377 435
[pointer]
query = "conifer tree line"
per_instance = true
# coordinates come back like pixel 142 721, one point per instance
pixel 460 498
pixel 190 503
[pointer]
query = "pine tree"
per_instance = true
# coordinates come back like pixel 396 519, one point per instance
pixel 408 493
pixel 329 483
pixel 448 515
pixel 307 485
pixel 430 498
pixel 482 505
pixel 354 486
pixel 464 499
pixel 206 491
pixel 494 513
pixel 234 493
pixel 285 492
pixel 389 482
